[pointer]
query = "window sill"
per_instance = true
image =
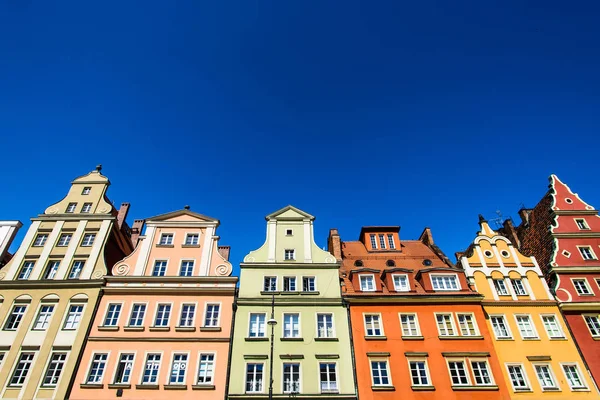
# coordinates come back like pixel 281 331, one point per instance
pixel 422 388
pixel 292 339
pixel 187 246
pixel 332 391
pixel 269 293
pixel 203 387
pixel 313 293
pixel 413 338
pixel 185 329
pixel 489 387
pixel 147 386
pixel 108 328
pixel 386 388
pixel 533 339
pixel 165 245
pixel 91 385
pixel 524 390
pixel 175 387
pixel 326 339
pixel 375 337
pixel 580 390
pixel 505 339
pixel 551 390
pixel 134 328
pixel 289 293
pixel 257 339
pixel 119 386
pixel 159 329
pixel 478 337
pixel 210 329
pixel 595 337
pixel 558 338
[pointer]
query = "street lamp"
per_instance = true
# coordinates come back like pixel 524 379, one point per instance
pixel 272 322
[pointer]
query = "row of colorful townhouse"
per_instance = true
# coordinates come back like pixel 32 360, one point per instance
pixel 94 309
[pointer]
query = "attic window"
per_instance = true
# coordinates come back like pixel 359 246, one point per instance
pixel 358 263
pixel 427 262
pixel 488 254
pixel 568 201
pixel 566 254
pixel 390 263
pixel 289 232
pixel 505 253
pixel 86 190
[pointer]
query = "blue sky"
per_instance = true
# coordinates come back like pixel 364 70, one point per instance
pixel 361 113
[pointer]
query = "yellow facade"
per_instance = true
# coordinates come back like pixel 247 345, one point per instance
pixel 538 355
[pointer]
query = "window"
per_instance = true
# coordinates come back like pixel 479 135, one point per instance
pixel 382 241
pixel 445 324
pixel 71 208
pixel 15 317
pixel 43 318
pixel 481 373
pixel 64 239
pixel 525 327
pixel 254 377
pixel 22 369
pixel 328 377
pixel 587 253
pixel 270 284
pixel 51 269
pixel 151 369
pixel 187 315
pixel 458 373
pixel 573 376
pixel 291 325
pixel 367 283
pixel 500 286
pixel 401 283
pixel 325 326
pixel 518 286
pixel 88 239
pixel 373 241
pixel 289 254
pixel 166 239
pixel 582 287
pixel 86 190
pixel 517 377
pixel 581 224
pixel 593 323
pixel 124 368
pixel 55 367
pixel 289 283
pixel 409 324
pixel 138 312
pixel 212 315
pixel 418 373
pixel 73 317
pixel 291 378
pixel 191 239
pixel 467 324
pixel 112 315
pixel 87 207
pixel 178 369
pixel 373 325
pixel 97 368
pixel 40 240
pixel 257 325
pixel 552 326
pixel 308 284
pixel 545 376
pixel 206 369
pixel 289 232
pixel 379 372
pixel 160 268
pixel 26 270
pixel 187 268
pixel 391 243
pixel 76 269
pixel 444 282
pixel 163 313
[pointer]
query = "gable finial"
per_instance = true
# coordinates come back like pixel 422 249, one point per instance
pixel 481 219
pixel 186 207
pixel 98 168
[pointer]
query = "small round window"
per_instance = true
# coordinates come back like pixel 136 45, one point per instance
pixel 358 263
pixel 427 262
pixel 390 263
pixel 505 253
pixel 569 201
pixel 488 254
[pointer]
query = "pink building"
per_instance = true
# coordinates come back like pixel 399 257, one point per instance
pixel 162 328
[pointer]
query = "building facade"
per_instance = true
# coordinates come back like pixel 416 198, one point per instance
pixel 49 289
pixel 163 326
pixel 563 232
pixel 538 355
pixel 289 298
pixel 418 330
pixel 8 231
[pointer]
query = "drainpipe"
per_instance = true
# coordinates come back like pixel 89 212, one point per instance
pixel 346 305
pixel 235 298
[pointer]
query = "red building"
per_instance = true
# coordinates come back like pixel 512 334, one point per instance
pixel 563 233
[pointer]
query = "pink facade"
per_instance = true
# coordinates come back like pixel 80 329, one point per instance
pixel 163 325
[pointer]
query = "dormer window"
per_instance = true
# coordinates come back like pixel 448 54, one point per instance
pixel 86 190
pixel 581 224
pixel 71 208
pixel 289 232
pixel 166 239
pixel 290 254
pixel 382 241
pixel 444 282
pixel 373 241
pixel 367 283
pixel 401 283
pixel 87 207
pixel 390 239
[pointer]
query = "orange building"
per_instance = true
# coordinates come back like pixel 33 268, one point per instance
pixel 418 330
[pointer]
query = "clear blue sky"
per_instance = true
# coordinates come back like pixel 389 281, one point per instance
pixel 361 113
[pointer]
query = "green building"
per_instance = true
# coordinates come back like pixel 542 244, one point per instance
pixel 290 291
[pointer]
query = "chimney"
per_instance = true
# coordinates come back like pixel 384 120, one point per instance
pixel 136 230
pixel 511 233
pixel 334 244
pixel 122 214
pixel 224 251
pixel 524 214
pixel 426 237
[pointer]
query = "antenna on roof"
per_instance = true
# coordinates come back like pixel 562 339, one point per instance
pixel 499 219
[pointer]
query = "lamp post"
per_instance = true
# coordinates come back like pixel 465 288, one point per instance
pixel 271 322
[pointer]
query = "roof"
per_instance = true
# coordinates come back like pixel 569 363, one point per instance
pixel 288 208
pixel 185 211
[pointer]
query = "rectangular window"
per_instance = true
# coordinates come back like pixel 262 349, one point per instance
pixel 86 190
pixel 418 373
pixel 325 326
pixel 526 327
pixel 22 369
pixel 51 269
pixel 212 315
pixel 379 372
pixel 137 315
pixel 445 324
pixel 517 377
pixel 257 325
pixel 64 240
pixel 373 325
pixel 88 239
pixel 381 241
pixel 76 269
pixel 166 239
pixel 87 207
pixel 545 376
pixel 290 254
pixel 289 232
pixel 97 368
pixel 552 326
pixel 178 369
pixel 582 287
pixel 43 318
pixel 40 240
pixel 308 284
pixel 151 369
pixel 55 368
pixel 444 282
pixel 593 323
pixel 254 378
pixel 191 239
pixel 187 315
pixel 15 317
pixel 500 327
pixel 124 367
pixel 163 312
pixel 328 377
pixel 573 376
pixel 26 270
pixel 367 283
pixel 401 283
pixel 581 224
pixel 160 268
pixel 518 286
pixel 458 373
pixel 289 283
pixel 467 324
pixel 373 241
pixel 206 370
pixel 112 315
pixel 409 324
pixel 391 243
pixel 291 325
pixel 270 284
pixel 73 317
pixel 187 268
pixel 71 208
pixel 587 253
pixel 481 373
pixel 500 286
pixel 291 378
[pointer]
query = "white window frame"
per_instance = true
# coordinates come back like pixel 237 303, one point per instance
pixel 166 267
pixel 290 278
pixel 586 283
pixel 500 284
pixel 72 270
pixel 167 242
pixel 452 324
pixel 45 323
pixel 373 239
pixel 525 378
pixel 172 367
pixel 64 239
pixel 556 321
pixel 591 253
pixel 470 362
pixel 62 364
pixel 130 315
pixel 76 317
pixel 204 320
pixel 400 288
pixel 30 364
pixel 40 240
pixel 597 322
pixel 382 244
pixel 26 270
pixel 506 325
pixel 154 362
pixel 328 382
pixel 289 254
pixel 380 323
pixel 258 325
pixel 86 208
pixel 262 381
pixel 116 367
pixel 270 282
pixel 88 239
pixel 181 267
pixel 86 190
pixel 365 276
pixel 291 362
pixel 473 320
pixel 107 310
pixel 193 319
pixel 532 325
pixel 328 334
pixel 71 208
pixel 555 385
pixel 18 319
pixel 168 324
pixel 387 371
pixel 581 227
pixel 518 287
pixel 427 374
pixel 465 370
pixel 584 386
pixel 192 235
pixel 416 321
pixel 91 363
pixel 209 373
pixel 444 288
pixel 51 269
pixel 391 243
pixel 283 328
pixel 314 279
